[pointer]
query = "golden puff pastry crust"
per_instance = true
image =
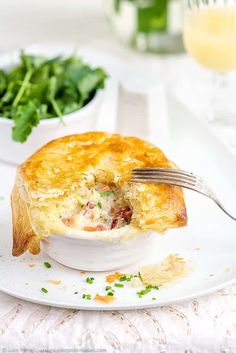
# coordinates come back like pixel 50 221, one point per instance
pixel 49 184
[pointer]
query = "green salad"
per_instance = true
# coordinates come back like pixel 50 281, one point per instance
pixel 41 88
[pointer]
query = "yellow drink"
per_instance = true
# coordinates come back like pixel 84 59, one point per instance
pixel 210 36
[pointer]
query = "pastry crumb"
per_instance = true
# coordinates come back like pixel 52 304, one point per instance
pixel 136 282
pixel 170 269
pixel 54 281
pixel 113 277
pixel 31 265
pixel 106 299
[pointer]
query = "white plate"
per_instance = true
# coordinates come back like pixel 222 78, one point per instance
pixel 208 242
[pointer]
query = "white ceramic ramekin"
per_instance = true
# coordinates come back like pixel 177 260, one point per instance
pixel 79 121
pixel 94 254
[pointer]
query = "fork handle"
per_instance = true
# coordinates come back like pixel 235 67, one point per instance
pixel 223 208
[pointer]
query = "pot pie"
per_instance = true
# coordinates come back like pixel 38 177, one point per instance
pixel 81 183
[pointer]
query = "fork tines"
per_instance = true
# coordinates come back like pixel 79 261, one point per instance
pixel 163 175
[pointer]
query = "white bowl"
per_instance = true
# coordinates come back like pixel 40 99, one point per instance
pixel 79 121
pixel 95 251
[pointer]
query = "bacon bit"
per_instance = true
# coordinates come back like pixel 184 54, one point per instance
pixel 90 205
pixel 112 278
pixel 114 222
pixel 90 229
pixel 106 299
pixel 54 281
pixel 123 213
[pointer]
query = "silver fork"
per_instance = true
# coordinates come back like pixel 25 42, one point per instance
pixel 176 177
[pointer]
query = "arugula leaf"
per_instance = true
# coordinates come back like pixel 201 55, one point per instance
pixel 3 81
pixel 25 118
pixel 92 80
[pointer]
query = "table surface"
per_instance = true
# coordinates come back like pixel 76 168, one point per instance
pixel 203 325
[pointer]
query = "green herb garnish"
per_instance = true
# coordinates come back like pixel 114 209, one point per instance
pixel 76 292
pixel 110 290
pixel 154 298
pixel 90 280
pixel 47 264
pixel 143 292
pixel 99 204
pixel 108 287
pixel 146 290
pixel 41 88
pixel 87 296
pixel 120 285
pixel 110 293
pixel 44 290
pixel 106 193
pixel 126 278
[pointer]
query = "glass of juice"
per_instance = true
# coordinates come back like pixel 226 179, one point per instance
pixel 209 33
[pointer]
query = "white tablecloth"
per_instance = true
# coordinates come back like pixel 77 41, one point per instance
pixel 204 325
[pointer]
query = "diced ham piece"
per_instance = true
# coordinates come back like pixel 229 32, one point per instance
pixel 100 227
pixel 90 205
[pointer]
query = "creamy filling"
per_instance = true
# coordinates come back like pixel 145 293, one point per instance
pixel 101 208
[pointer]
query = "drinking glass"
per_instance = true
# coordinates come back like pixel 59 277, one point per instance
pixel 209 33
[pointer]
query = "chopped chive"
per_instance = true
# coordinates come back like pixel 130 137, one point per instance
pixel 110 293
pixel 143 292
pixel 154 298
pixel 106 193
pixel 119 285
pixel 110 290
pixel 99 204
pixel 90 280
pixel 87 296
pixel 76 292
pixel 44 290
pixel 152 287
pixel 47 264
pixel 147 289
pixel 125 278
